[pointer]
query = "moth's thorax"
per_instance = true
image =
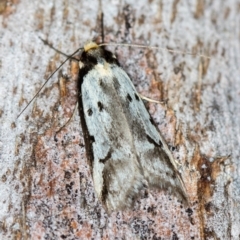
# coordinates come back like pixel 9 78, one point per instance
pixel 104 69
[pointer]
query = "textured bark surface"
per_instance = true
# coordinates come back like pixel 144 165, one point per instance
pixel 46 188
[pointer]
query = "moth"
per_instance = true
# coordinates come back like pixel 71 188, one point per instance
pixel 125 150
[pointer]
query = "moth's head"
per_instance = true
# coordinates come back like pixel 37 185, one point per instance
pixel 96 54
pixel 90 46
pixel 92 49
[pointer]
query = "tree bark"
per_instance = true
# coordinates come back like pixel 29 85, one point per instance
pixel 46 187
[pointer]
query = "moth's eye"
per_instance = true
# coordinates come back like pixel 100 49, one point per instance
pixel 81 64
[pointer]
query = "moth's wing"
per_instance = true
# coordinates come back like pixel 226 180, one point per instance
pixel 117 173
pixel 154 156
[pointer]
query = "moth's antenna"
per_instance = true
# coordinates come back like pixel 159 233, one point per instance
pixel 144 46
pixel 68 57
pixel 55 49
pixel 102 25
pixel 102 21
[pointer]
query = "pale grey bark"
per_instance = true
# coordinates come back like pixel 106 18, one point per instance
pixel 46 188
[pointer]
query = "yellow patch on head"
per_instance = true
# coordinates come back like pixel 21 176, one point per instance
pixel 90 45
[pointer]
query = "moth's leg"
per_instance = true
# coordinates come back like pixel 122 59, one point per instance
pixel 150 100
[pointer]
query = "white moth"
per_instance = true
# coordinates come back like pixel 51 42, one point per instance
pixel 123 146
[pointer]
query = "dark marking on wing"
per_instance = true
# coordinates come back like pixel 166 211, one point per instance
pixel 100 106
pixel 160 143
pixel 92 139
pixel 137 97
pixel 129 98
pixel 90 112
pixel 154 142
pixel 108 156
pixel 151 120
